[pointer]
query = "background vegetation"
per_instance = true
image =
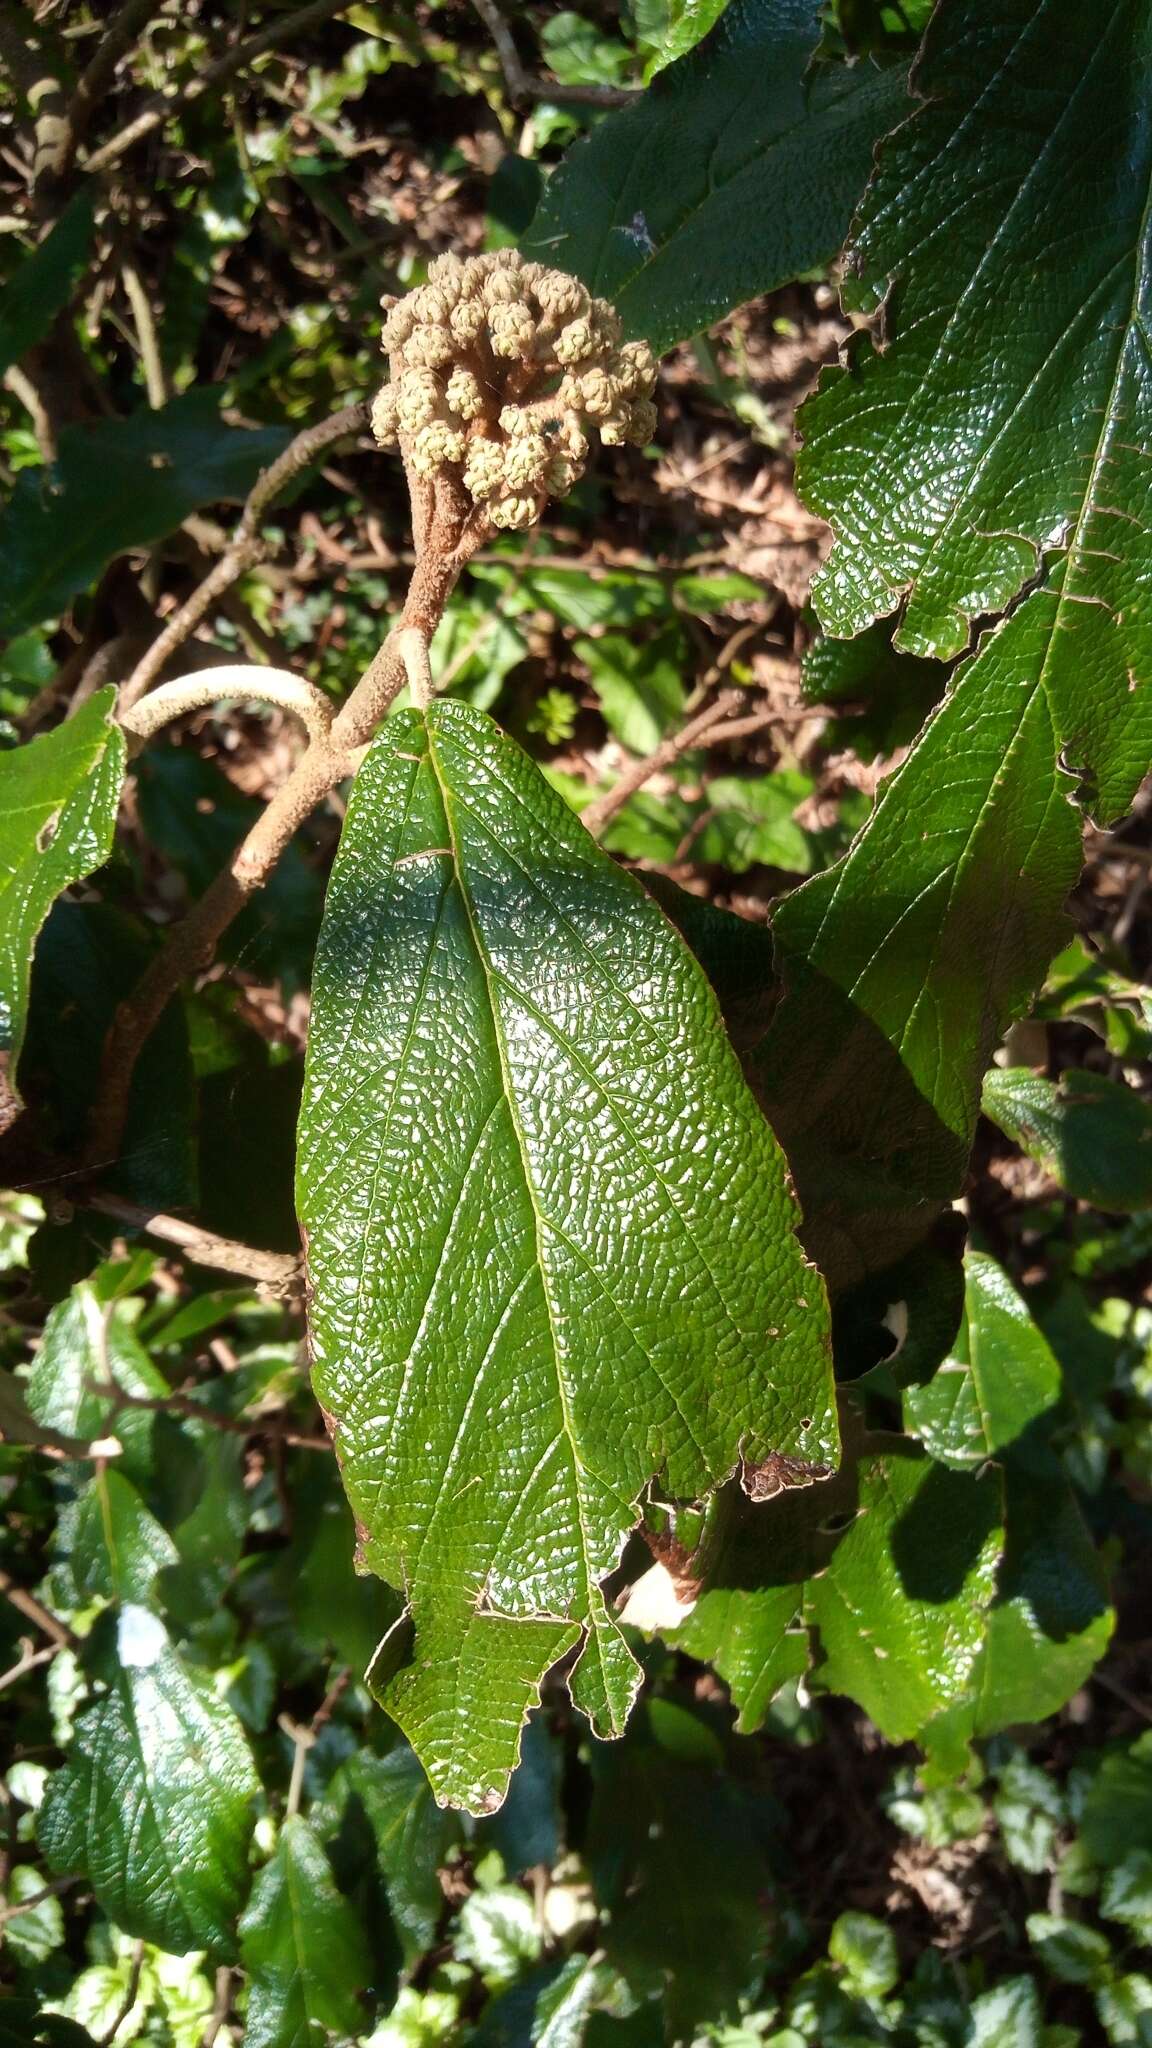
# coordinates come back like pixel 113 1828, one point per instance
pixel 795 1842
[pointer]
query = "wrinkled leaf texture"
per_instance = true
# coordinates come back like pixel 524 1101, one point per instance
pixel 737 170
pixel 550 1237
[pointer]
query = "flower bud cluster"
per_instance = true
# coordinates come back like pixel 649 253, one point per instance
pixel 499 369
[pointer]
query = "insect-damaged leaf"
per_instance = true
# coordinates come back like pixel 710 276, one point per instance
pixel 550 1236
pixel 58 799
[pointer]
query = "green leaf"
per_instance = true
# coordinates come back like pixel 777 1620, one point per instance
pixel 1117 1813
pixel 901 1608
pixel 639 684
pixel 1092 1135
pixel 749 819
pixel 997 1385
pixel 896 994
pixel 738 170
pixel 303 1947
pixel 117 484
pixel 1126 1894
pixel 154 1802
pixel 677 1857
pixel 1051 1621
pixel 1085 985
pixel 893 1562
pixel 58 800
pixel 531 1176
pixel 1072 1952
pixel 115 1547
pixel 1008 2016
pixel 88 959
pixel 32 1935
pixel 42 283
pixel 865 1949
pixel 499 1934
pixel 990 428
pixel 1125 2010
pixel 89 1341
pixel 414 1838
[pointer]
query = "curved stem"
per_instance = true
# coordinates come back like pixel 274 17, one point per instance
pixel 233 679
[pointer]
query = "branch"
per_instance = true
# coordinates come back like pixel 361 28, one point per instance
pixel 328 760
pixel 31 1608
pixel 236 679
pixel 246 546
pixel 278 1270
pixel 163 105
pixel 522 87
pixel 155 381
pixel 97 77
pixel 706 728
pixel 179 1403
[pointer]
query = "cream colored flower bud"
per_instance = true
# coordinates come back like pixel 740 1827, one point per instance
pixel 576 342
pixel 398 326
pixel 515 420
pixel 429 347
pixel 560 475
pixel 564 297
pixel 417 399
pixel 570 439
pixel 483 467
pixel 514 515
pixel 384 416
pixel 435 446
pixel 636 369
pixel 466 321
pixel 606 324
pixel 598 393
pixel 525 461
pixel 513 330
pixel 501 289
pixel 463 395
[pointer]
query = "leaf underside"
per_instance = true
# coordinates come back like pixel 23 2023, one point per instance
pixel 550 1236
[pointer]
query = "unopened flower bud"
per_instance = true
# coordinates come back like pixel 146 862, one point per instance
pixel 429 347
pixel 417 399
pixel 435 446
pixel 514 515
pixel 463 395
pixel 384 421
pixel 525 461
pixel 576 342
pixel 484 467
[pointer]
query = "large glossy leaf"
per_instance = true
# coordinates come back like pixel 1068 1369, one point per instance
pixel 905 962
pixel 550 1238
pixel 737 170
pixel 58 799
pixel 1010 406
pixel 41 285
pixel 303 1947
pixel 154 1803
pixel 1092 1134
pixel 1001 1380
pixel 119 483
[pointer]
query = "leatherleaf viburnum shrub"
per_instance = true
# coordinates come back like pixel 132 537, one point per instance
pixel 500 370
